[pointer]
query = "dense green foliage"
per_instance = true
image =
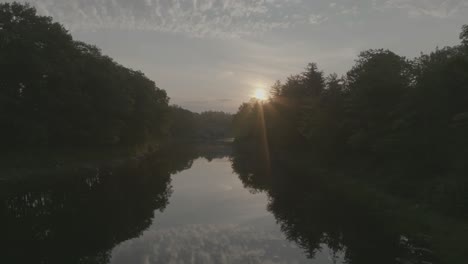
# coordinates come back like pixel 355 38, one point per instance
pixel 57 91
pixel 400 122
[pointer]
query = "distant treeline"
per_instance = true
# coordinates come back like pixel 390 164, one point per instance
pixel 55 91
pixel 205 126
pixel 388 115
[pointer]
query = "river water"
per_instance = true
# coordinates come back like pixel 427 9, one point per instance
pixel 186 206
pixel 211 218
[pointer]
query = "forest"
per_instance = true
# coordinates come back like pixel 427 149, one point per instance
pixel 55 91
pixel 396 122
pixel 402 121
pixel 370 165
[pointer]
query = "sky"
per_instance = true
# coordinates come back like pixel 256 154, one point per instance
pixel 213 54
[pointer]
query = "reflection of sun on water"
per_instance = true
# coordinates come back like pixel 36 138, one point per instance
pixel 260 94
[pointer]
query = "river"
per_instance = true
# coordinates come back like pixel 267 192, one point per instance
pixel 205 206
pixel 211 218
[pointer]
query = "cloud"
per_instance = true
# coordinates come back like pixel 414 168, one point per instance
pixel 226 18
pixel 317 19
pixel 209 244
pixel 196 18
pixel 431 8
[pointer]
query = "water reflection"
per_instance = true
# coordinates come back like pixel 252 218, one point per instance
pixel 79 215
pixel 212 218
pixel 319 214
pixel 205 204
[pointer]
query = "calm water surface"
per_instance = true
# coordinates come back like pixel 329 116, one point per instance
pixel 212 218
pixel 208 206
pixel 171 208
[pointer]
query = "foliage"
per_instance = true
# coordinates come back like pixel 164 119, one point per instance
pixel 403 120
pixel 209 125
pixel 57 91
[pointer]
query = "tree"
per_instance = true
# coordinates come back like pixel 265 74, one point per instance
pixel 403 120
pixel 464 35
pixel 376 85
pixel 57 91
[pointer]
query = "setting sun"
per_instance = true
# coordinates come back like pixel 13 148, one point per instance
pixel 260 94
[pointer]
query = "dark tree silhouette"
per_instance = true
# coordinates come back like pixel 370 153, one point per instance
pixel 403 121
pixel 57 91
pixel 205 126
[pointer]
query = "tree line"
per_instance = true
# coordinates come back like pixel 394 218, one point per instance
pixel 388 115
pixel 56 91
pixel 205 126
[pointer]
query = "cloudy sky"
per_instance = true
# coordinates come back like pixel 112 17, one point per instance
pixel 212 54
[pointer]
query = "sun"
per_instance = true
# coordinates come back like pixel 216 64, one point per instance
pixel 260 94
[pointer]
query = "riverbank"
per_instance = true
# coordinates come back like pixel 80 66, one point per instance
pixel 24 163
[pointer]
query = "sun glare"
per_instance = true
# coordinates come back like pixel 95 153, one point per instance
pixel 260 94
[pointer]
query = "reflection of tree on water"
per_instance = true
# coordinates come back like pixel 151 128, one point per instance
pixel 78 217
pixel 314 211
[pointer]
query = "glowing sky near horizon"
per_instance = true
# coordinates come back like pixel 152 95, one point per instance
pixel 260 94
pixel 212 54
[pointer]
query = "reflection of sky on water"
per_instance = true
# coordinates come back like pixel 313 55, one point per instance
pixel 211 218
